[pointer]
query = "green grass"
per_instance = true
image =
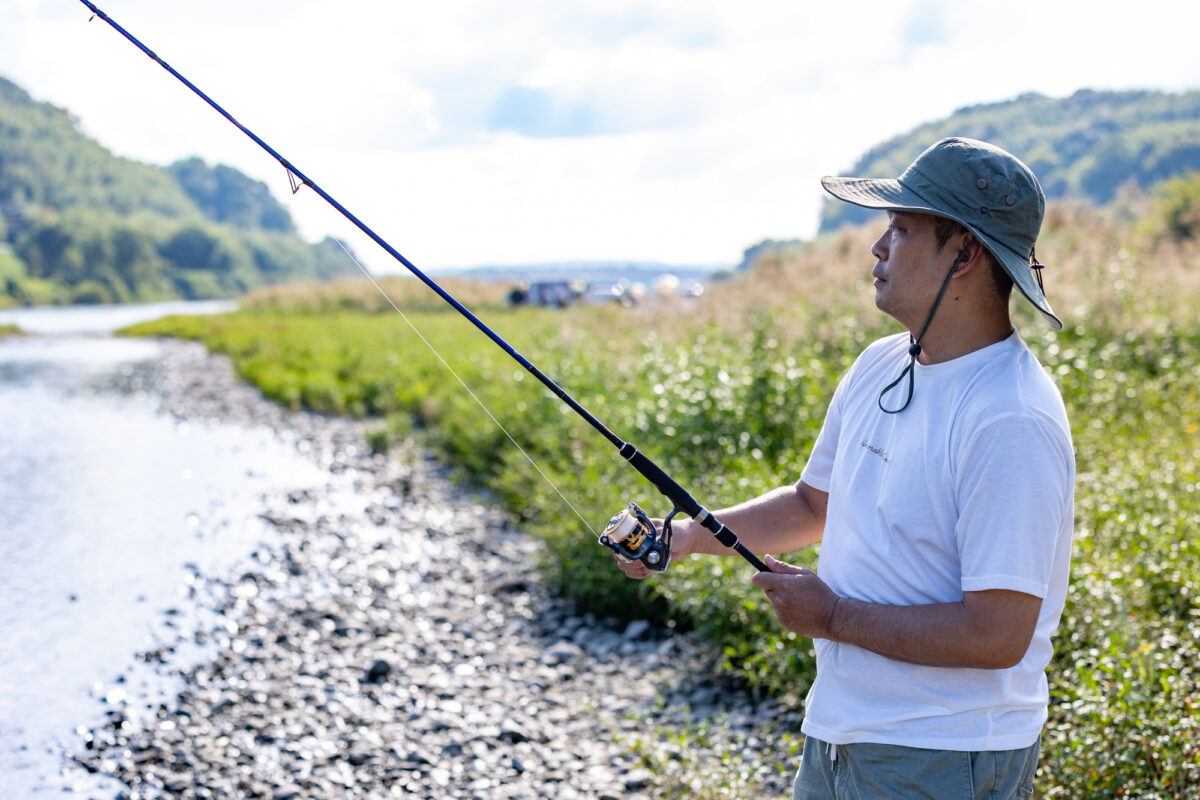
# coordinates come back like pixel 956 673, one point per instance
pixel 728 393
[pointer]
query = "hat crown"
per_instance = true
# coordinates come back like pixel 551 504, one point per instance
pixel 987 189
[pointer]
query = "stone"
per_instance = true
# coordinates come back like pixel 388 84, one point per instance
pixel 377 672
pixel 561 652
pixel 638 779
pixel 636 630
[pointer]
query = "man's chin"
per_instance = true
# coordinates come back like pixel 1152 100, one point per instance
pixel 881 303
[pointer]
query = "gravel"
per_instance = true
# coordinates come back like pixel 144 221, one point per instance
pixel 404 646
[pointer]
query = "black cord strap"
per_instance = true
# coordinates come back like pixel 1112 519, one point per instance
pixel 914 347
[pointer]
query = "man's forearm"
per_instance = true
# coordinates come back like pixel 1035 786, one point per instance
pixel 987 630
pixel 781 520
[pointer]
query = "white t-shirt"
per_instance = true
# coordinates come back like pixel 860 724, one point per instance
pixel 969 488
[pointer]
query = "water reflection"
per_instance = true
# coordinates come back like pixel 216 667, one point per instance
pixel 104 504
pixel 59 320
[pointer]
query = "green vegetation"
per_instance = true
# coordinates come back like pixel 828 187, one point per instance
pixel 1177 204
pixel 80 225
pixel 718 760
pixel 727 392
pixel 1089 146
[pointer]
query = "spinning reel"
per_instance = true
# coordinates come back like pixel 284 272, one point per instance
pixel 633 537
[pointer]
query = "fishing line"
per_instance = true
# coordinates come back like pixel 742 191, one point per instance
pixel 630 534
pixel 463 383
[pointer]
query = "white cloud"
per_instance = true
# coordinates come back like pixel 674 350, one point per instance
pixel 475 132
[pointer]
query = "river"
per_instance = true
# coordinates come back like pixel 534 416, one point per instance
pixel 108 510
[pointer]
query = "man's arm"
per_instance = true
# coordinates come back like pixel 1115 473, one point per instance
pixel 987 630
pixel 783 519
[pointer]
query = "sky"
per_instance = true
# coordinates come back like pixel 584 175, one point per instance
pixel 477 132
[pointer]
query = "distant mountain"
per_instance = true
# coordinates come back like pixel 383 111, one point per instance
pixel 79 224
pixel 1086 146
pixel 769 249
pixel 226 195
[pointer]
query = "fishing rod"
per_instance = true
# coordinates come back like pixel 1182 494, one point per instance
pixel 631 534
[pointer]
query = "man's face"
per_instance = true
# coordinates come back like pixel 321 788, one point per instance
pixel 909 268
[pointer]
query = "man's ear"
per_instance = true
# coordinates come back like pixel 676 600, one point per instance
pixel 970 253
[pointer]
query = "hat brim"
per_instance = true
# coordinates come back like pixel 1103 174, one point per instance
pixel 889 194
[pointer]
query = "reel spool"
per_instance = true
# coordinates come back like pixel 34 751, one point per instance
pixel 633 537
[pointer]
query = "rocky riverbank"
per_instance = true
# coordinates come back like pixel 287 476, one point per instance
pixel 404 646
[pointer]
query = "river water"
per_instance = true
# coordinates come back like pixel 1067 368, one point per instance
pixel 108 509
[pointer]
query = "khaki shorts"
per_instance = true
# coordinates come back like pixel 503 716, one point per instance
pixel 890 772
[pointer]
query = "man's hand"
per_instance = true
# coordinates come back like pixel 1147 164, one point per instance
pixel 802 601
pixel 989 629
pixel 633 569
pixel 682 533
pixel 786 518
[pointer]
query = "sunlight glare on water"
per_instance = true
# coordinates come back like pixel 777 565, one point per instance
pixel 107 508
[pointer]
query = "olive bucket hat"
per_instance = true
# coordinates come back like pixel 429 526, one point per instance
pixel 986 189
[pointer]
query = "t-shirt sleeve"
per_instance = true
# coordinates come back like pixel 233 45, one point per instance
pixel 818 471
pixel 1013 491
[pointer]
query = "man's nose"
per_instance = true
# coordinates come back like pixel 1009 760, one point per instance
pixel 879 248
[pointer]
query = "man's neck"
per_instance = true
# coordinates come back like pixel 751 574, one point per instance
pixel 946 342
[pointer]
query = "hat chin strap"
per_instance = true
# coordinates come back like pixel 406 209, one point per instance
pixel 914 347
pixel 1037 268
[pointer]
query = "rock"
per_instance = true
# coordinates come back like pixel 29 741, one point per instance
pixel 360 755
pixel 636 630
pixel 512 733
pixel 377 672
pixel 638 779
pixel 561 652
pixel 176 785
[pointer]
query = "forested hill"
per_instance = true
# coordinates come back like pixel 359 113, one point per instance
pixel 1086 146
pixel 79 224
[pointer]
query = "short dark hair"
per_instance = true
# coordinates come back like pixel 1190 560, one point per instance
pixel 946 228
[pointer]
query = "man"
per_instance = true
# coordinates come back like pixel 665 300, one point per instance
pixel 941 488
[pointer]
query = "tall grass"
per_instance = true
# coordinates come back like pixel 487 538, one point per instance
pixel 727 393
pixel 358 294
